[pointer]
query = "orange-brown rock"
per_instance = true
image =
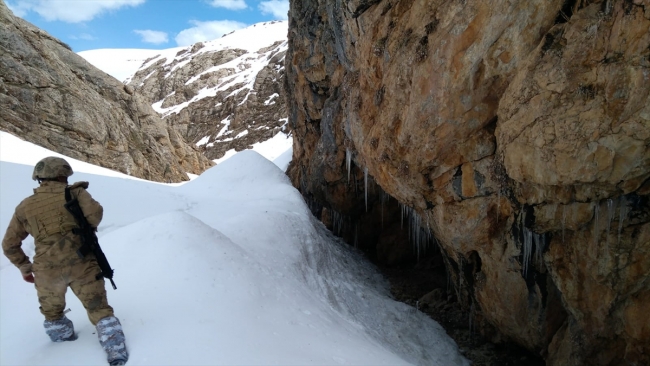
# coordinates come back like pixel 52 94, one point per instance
pixel 517 133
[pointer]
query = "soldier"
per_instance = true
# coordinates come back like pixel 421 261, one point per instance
pixel 56 263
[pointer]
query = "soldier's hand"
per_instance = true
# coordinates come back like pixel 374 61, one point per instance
pixel 29 278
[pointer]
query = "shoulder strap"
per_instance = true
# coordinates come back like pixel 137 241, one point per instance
pixel 68 196
pixel 83 185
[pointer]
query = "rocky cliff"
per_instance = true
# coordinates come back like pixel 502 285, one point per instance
pixel 512 137
pixel 52 97
pixel 222 94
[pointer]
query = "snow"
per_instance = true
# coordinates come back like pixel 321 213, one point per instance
pixel 15 150
pixel 270 100
pixel 197 286
pixel 204 140
pixel 226 124
pixel 274 147
pixel 117 62
pixel 278 149
pixel 251 38
pixel 124 63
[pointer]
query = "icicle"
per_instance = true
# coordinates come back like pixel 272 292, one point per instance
pixel 460 278
pixel 408 218
pixel 540 245
pixel 417 236
pixel 448 276
pixel 348 162
pixel 596 216
pixel 610 216
pixel 528 246
pixel 414 234
pixel 336 222
pixel 542 249
pixel 622 215
pixel 429 238
pixel 563 221
pixel 365 184
pixel 383 195
pixel 416 229
pixel 472 309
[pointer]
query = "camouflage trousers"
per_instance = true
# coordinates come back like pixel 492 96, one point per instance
pixel 52 284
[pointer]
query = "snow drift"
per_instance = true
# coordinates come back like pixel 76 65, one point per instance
pixel 230 268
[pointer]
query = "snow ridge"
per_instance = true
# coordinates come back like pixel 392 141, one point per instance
pixel 197 286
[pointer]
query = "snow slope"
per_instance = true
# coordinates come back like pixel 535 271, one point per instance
pixel 120 63
pixel 261 42
pixel 229 268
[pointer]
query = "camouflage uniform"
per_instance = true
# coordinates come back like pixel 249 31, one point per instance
pixel 56 263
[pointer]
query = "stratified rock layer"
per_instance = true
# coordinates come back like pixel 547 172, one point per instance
pixel 52 97
pixel 517 133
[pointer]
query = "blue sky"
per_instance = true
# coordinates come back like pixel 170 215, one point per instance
pixel 153 24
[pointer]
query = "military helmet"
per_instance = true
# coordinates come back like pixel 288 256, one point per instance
pixel 51 167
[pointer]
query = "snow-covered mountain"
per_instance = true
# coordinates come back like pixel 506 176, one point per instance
pixel 221 95
pixel 197 286
pixel 54 98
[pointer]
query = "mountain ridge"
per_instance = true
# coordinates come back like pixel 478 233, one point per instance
pixel 54 98
pixel 233 85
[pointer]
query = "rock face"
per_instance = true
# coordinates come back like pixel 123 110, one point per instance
pixel 223 94
pixel 52 97
pixel 515 137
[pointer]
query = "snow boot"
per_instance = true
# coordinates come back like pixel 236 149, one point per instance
pixel 111 337
pixel 60 330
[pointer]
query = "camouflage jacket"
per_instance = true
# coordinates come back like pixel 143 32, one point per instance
pixel 44 217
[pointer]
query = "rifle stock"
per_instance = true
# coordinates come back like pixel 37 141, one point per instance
pixel 89 241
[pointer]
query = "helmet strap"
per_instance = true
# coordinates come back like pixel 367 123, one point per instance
pixel 41 180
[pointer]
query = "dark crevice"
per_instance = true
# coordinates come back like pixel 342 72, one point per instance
pixel 422 49
pixel 472 268
pixel 566 12
pixel 363 6
pixel 386 9
pixel 628 5
pixel 431 26
pixel 549 39
pixel 607 6
pixel 491 126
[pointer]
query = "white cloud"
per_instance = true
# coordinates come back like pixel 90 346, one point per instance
pixel 70 11
pixel 277 8
pixel 206 31
pixel 152 36
pixel 229 4
pixel 84 36
pixel 17 9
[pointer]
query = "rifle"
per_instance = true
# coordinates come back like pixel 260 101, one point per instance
pixel 89 242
